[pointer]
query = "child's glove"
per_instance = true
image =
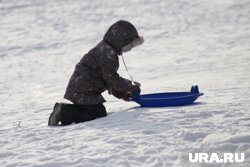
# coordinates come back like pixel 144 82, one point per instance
pixel 127 96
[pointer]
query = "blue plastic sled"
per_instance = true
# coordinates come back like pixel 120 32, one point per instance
pixel 167 99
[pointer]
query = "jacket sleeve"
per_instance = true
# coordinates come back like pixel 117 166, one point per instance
pixel 117 94
pixel 109 64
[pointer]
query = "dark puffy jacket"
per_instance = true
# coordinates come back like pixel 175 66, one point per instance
pixel 97 70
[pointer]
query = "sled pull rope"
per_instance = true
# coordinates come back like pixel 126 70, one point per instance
pixel 128 71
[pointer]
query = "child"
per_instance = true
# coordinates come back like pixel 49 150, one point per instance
pixel 95 73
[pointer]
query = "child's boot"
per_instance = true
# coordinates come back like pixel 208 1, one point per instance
pixel 55 116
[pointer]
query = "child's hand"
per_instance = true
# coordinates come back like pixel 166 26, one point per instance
pixel 135 88
pixel 127 96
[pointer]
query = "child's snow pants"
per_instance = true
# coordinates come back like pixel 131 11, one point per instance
pixel 76 113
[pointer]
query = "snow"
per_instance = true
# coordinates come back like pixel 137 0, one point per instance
pixel 186 42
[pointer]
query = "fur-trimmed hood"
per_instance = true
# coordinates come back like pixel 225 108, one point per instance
pixel 121 34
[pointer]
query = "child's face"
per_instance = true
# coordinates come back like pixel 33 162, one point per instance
pixel 133 44
pixel 127 47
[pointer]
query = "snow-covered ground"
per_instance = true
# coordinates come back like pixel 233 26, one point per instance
pixel 204 42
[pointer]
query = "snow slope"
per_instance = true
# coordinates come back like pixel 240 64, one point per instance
pixel 204 42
